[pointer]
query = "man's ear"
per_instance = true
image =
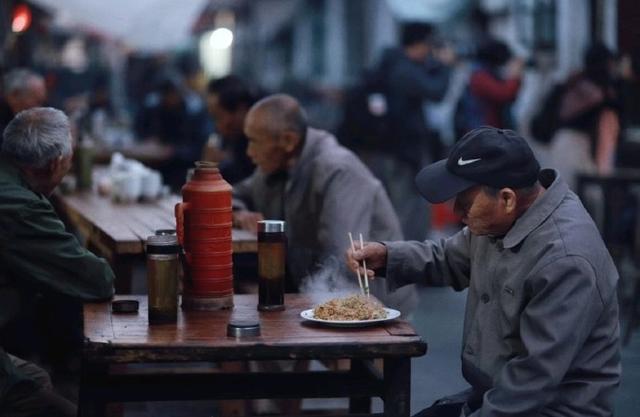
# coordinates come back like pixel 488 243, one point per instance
pixel 289 140
pixel 54 165
pixel 508 199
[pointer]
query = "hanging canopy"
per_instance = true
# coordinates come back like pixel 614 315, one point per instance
pixel 435 11
pixel 148 25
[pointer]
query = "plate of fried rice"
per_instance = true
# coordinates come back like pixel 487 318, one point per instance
pixel 351 311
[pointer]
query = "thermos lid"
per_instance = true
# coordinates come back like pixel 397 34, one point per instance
pixel 271 226
pixel 163 244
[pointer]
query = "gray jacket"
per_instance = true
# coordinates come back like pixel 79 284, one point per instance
pixel 541 324
pixel 328 193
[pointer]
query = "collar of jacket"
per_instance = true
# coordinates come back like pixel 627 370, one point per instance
pixel 10 173
pixel 540 210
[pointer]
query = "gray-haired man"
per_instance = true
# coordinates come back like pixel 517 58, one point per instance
pixel 37 254
pixel 23 89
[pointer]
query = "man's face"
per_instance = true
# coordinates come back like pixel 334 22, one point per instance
pixel 267 151
pixel 483 213
pixel 228 123
pixel 34 96
pixel 422 50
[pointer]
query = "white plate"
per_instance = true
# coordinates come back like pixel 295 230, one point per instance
pixel 391 315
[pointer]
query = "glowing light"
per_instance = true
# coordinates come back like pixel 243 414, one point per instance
pixel 21 18
pixel 221 38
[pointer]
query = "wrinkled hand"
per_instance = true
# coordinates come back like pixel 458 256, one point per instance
pixel 247 220
pixel 374 253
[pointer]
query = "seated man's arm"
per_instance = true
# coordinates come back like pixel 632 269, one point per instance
pixel 565 306
pixel 442 263
pixel 41 253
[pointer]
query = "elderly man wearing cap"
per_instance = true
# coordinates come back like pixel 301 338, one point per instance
pixel 541 324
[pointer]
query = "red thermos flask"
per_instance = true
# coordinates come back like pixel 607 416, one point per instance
pixel 203 223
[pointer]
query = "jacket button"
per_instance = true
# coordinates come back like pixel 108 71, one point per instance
pixel 485 298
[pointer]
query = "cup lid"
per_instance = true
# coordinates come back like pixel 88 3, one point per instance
pixel 271 226
pixel 162 244
pixel 243 328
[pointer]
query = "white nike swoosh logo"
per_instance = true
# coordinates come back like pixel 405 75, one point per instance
pixel 462 162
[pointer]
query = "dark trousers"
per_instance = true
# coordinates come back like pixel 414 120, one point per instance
pixel 34 400
pixel 452 406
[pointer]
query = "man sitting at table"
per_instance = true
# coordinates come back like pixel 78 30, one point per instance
pixel 541 330
pixel 39 259
pixel 321 189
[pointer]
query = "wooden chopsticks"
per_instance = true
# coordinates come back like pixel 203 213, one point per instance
pixel 364 289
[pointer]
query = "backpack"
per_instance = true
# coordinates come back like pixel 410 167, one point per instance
pixel 366 121
pixel 545 121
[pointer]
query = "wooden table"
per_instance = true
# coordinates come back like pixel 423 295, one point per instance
pixel 119 231
pixel 201 337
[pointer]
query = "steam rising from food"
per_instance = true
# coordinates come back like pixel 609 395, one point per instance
pixel 330 279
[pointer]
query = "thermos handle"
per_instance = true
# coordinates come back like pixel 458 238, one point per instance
pixel 179 211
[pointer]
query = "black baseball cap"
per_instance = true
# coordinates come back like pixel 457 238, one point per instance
pixel 498 158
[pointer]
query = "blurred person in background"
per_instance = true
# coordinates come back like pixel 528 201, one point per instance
pixel 23 89
pixel 321 189
pixel 407 77
pixel 493 86
pixel 41 264
pixel 628 87
pixel 229 99
pixel 167 119
pixel 588 119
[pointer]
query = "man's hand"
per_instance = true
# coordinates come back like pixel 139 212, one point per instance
pixel 247 220
pixel 374 253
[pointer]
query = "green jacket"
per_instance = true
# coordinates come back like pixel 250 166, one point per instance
pixel 37 255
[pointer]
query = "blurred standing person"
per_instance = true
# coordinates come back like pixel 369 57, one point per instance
pixel 229 99
pixel 628 153
pixel 588 119
pixel 493 86
pixel 40 261
pixel 167 119
pixel 413 74
pixel 23 89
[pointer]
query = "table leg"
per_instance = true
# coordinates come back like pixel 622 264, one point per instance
pixel 90 402
pixel 397 387
pixel 359 405
pixel 233 408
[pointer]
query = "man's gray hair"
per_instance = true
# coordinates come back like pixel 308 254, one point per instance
pixel 36 136
pixel 18 80
pixel 283 113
